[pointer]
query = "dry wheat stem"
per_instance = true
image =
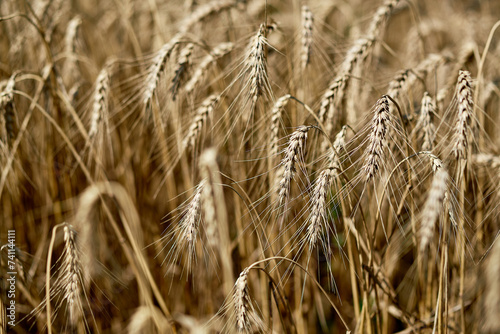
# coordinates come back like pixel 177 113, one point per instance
pixel 71 275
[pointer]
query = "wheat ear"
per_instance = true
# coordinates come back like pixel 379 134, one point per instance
pixel 156 69
pixel 100 111
pixel 307 36
pixel 203 113
pixel 275 124
pixel 432 207
pixel 294 152
pixel 317 222
pixel 217 52
pixel 464 97
pixel 492 291
pixel 256 65
pixel 7 115
pixel 377 140
pixel 204 11
pixel 425 123
pixel 181 69
pixel 70 280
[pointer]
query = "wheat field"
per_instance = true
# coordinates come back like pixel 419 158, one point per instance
pixel 253 166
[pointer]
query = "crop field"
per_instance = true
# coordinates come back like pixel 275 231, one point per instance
pixel 250 166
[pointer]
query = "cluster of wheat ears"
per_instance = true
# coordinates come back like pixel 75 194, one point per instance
pixel 209 166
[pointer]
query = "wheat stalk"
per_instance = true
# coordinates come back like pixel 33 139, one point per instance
pixel 492 290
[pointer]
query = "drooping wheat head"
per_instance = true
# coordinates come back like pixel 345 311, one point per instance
pixel 462 130
pixel 293 154
pixel 377 140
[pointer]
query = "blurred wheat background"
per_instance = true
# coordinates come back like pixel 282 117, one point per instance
pixel 220 166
